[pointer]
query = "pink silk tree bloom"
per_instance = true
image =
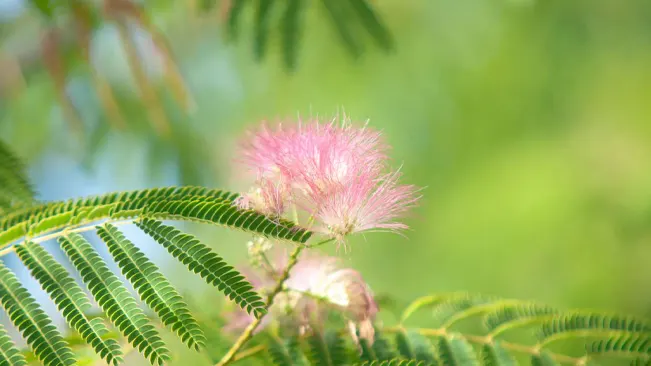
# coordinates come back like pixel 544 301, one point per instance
pixel 316 285
pixel 332 153
pixel 365 203
pixel 304 152
pixel 334 172
pixel 268 197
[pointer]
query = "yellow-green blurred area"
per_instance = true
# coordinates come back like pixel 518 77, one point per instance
pixel 528 122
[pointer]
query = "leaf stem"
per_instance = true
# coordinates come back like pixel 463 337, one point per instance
pixel 12 247
pixel 326 241
pixel 248 332
pixel 249 352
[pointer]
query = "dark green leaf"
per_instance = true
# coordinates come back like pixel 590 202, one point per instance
pixel 544 359
pixel 9 354
pixel 234 15
pixel 373 23
pixel 494 354
pixel 69 298
pixel 261 25
pixel 412 345
pixel 116 301
pixel 455 351
pixel 285 352
pixel 35 326
pixel 340 16
pixel 327 349
pixel 154 289
pixel 202 260
pixel 291 31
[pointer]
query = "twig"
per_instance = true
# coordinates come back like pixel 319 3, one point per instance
pixel 249 352
pixel 12 247
pixel 248 332
pixel 154 108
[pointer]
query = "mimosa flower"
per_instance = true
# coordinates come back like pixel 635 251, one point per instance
pixel 365 203
pixel 316 285
pixel 336 173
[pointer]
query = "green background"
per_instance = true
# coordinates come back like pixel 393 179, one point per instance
pixel 527 122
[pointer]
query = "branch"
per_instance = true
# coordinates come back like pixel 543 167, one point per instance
pixel 10 248
pixel 248 332
pixel 249 352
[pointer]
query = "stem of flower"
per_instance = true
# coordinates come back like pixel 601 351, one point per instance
pixel 248 332
pixel 295 214
pixel 268 267
pixel 11 247
pixel 321 243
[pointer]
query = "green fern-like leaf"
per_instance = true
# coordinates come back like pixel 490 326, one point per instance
pixel 100 207
pixel 494 354
pixel 393 362
pixel 174 203
pixel 340 15
pixel 111 295
pixel 414 346
pixel 543 359
pixel 458 306
pixel 291 30
pixel 373 24
pixel 589 324
pixel 202 260
pixel 262 18
pixel 626 344
pixel 285 352
pixel 515 315
pixel 420 303
pixel 69 298
pixel 346 15
pixel 226 214
pixel 455 351
pixel 234 15
pixel 642 361
pixel 154 289
pixel 380 349
pixel 36 327
pixel 9 354
pixel 327 348
pixel 110 200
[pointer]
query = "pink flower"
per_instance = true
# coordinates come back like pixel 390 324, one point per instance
pixel 335 172
pixel 305 152
pixel 268 197
pixel 365 203
pixel 315 285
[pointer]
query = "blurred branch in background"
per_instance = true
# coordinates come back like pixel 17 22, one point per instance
pixel 67 29
pixel 15 189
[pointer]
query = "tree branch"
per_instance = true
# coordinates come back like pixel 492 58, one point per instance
pixel 248 332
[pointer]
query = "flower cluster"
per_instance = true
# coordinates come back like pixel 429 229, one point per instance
pixel 334 172
pixel 316 285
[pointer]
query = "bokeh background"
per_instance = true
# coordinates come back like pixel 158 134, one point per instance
pixel 528 123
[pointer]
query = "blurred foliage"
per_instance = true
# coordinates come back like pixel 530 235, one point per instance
pixel 15 188
pixel 527 121
pixel 67 49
